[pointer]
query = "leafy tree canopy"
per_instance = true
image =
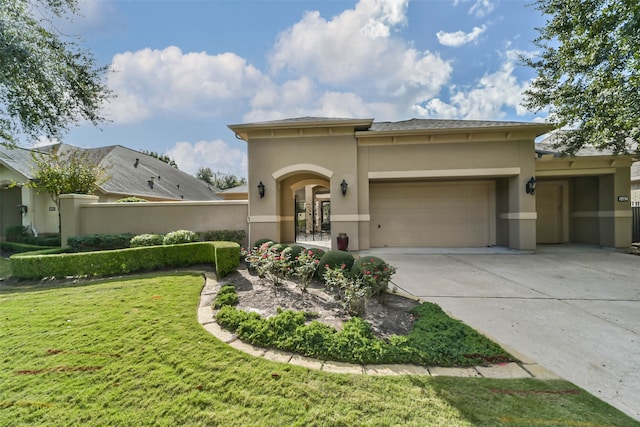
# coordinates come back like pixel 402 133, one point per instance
pixel 71 173
pixel 47 83
pixel 220 180
pixel 588 71
pixel 162 157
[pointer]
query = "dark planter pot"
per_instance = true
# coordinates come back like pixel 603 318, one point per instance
pixel 343 242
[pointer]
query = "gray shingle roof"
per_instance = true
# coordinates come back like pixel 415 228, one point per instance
pixel 442 124
pixel 18 159
pixel 167 182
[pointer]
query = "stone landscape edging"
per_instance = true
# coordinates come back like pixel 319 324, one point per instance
pixel 511 370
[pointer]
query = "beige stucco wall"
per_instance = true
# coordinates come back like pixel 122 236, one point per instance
pixel 284 165
pixel 600 190
pixel 84 215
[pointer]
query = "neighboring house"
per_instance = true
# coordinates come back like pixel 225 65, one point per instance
pixel 130 173
pixel 433 183
pixel 240 192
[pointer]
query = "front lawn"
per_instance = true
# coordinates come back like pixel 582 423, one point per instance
pixel 131 352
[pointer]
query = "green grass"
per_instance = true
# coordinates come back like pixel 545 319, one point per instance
pixel 130 352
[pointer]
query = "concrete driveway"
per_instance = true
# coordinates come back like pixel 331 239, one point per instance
pixel 574 310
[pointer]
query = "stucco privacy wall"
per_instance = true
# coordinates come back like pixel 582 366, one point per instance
pixel 82 214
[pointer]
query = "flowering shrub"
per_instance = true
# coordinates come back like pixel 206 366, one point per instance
pixel 375 272
pixel 353 291
pixel 272 265
pixel 180 236
pixel 305 266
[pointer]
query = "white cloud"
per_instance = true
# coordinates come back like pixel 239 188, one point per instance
pixel 217 155
pixel 486 101
pixel 357 51
pixel 162 82
pixel 482 8
pixel 459 38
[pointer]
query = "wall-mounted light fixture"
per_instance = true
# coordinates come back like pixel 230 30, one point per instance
pixel 261 189
pixel 343 187
pixel 530 186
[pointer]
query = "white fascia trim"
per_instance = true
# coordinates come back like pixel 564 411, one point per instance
pixel 519 215
pixel 350 218
pixel 575 172
pixel 302 167
pixel 603 214
pixel 443 173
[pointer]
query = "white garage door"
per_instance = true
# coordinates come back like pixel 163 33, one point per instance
pixel 442 214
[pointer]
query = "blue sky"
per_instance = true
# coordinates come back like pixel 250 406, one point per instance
pixel 183 70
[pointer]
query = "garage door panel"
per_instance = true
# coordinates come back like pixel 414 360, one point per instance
pixel 431 214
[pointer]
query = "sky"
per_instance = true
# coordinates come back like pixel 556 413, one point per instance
pixel 181 71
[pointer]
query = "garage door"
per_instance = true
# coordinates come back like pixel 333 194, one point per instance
pixel 443 214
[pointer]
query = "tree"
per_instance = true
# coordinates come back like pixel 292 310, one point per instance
pixel 219 180
pixel 588 71
pixel 71 173
pixel 162 157
pixel 47 83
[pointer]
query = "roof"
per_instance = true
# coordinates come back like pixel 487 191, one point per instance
pixel 244 188
pixel 442 124
pixel 18 159
pixel 132 173
pixel 548 146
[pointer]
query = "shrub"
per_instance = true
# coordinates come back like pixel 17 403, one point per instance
pixel 237 236
pixel 335 259
pixel 123 261
pixel 278 248
pixel 270 264
pixel 292 251
pixel 146 240
pixel 305 266
pixel 226 296
pixel 179 237
pixel 99 242
pixel 375 272
pixel 131 200
pixel 16 233
pixel 352 291
pixel 261 242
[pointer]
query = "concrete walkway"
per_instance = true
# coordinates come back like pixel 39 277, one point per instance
pixel 573 310
pixel 504 370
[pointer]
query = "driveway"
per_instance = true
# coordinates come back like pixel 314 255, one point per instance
pixel 574 310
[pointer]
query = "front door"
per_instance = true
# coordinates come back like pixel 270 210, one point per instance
pixel 550 224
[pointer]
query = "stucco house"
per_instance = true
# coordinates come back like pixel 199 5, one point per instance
pixel 131 174
pixel 635 184
pixel 433 183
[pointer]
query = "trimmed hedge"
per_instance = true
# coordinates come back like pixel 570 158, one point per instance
pixel 225 255
pixel 99 242
pixel 237 236
pixel 335 259
pixel 14 247
pixel 146 240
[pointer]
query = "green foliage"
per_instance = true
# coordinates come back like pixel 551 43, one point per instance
pixel 146 240
pixel 436 339
pixel 354 292
pixel 13 247
pixel 305 265
pixel 20 234
pixel 237 236
pixel 227 257
pixel 107 263
pixel 588 72
pixel 375 272
pixel 227 295
pixel 99 242
pixel 47 82
pixel 179 237
pixel 278 248
pixel 261 242
pixel 335 259
pixel 132 200
pixel 270 263
pixel 220 180
pixel 162 157
pixel 71 172
pixel 16 233
pixel 292 251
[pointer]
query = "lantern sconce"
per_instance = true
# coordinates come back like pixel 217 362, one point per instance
pixel 343 187
pixel 530 186
pixel 261 189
